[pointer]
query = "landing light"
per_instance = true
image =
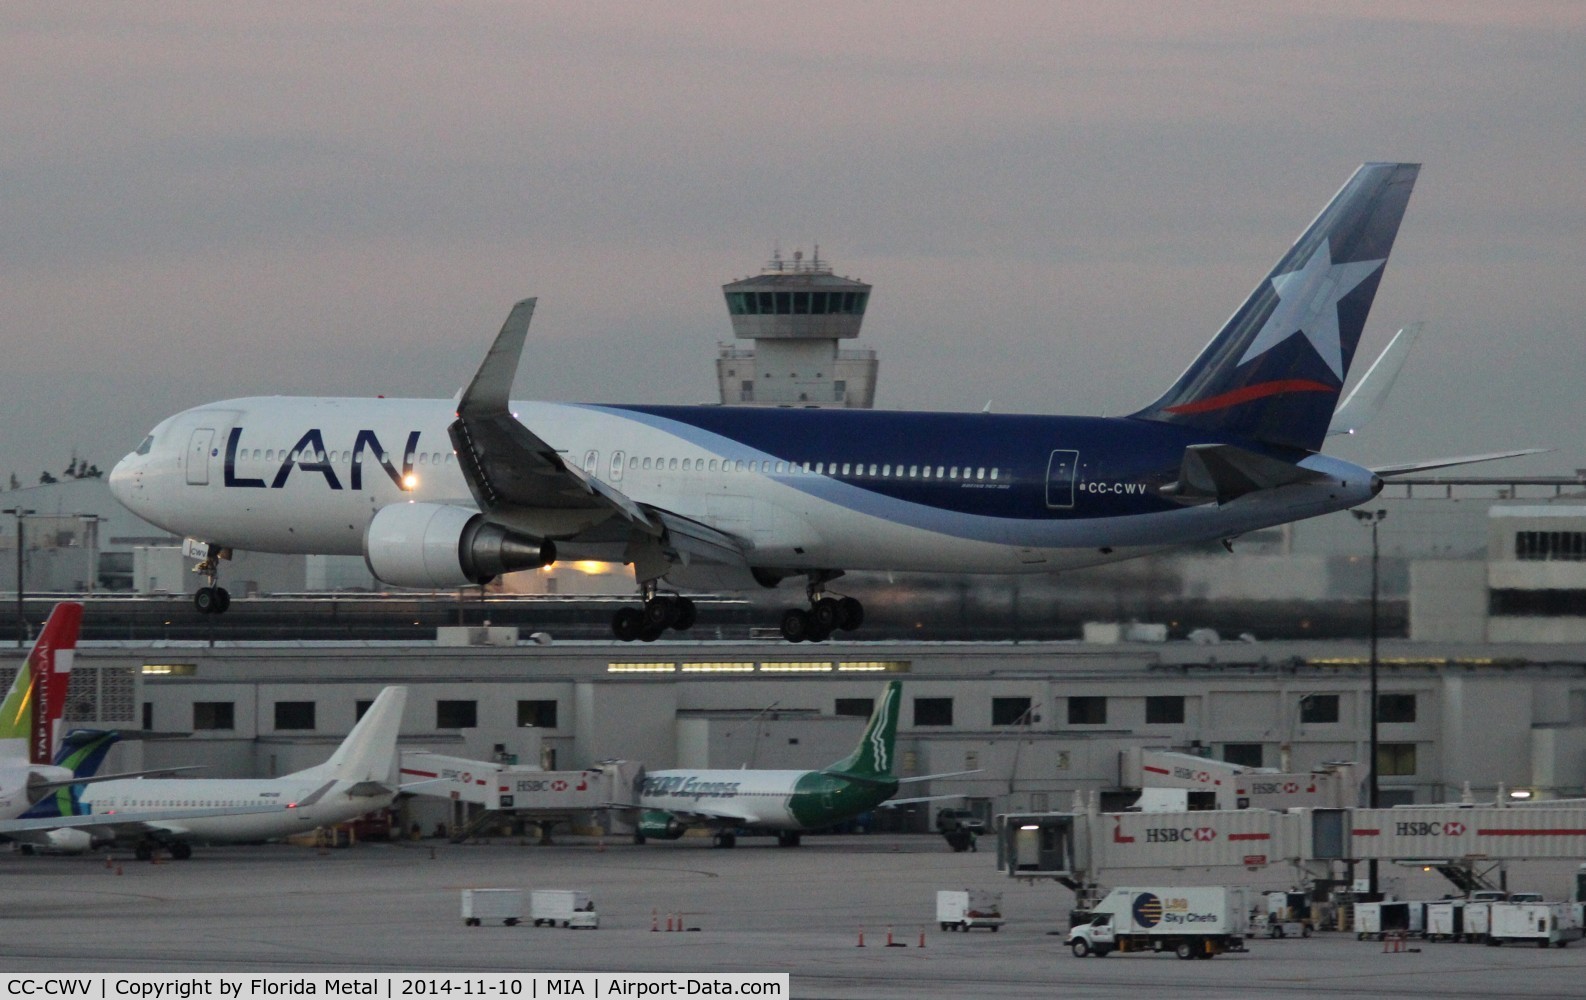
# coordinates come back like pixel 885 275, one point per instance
pixel 1520 793
pixel 410 482
pixel 1029 826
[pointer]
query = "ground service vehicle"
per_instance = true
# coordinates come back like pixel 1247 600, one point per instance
pixel 1544 923
pixel 963 909
pixel 563 908
pixel 1377 920
pixel 1285 914
pixel 1445 920
pixel 1190 921
pixel 479 905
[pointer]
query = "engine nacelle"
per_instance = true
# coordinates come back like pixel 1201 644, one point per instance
pixel 660 825
pixel 65 842
pixel 432 545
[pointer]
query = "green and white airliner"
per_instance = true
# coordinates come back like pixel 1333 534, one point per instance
pixel 788 803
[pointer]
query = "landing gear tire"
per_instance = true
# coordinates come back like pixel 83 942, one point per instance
pixel 660 612
pixel 211 600
pixel 181 851
pixel 853 614
pixel 686 614
pixel 627 624
pixel 796 625
pixel 651 633
pixel 144 851
pixel 788 838
pixel 826 614
pixel 726 840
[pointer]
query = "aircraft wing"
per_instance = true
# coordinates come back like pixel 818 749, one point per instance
pixel 125 823
pixel 520 480
pixel 38 789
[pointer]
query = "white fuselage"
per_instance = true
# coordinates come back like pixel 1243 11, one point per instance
pixel 284 474
pixel 296 804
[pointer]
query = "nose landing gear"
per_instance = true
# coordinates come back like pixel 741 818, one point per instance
pixel 212 599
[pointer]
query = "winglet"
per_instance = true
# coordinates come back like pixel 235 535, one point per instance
pixel 1365 399
pixel 492 385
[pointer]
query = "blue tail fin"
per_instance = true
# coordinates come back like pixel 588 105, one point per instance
pixel 1275 370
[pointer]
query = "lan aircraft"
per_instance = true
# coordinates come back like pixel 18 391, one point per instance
pixel 175 813
pixel 787 802
pixel 443 493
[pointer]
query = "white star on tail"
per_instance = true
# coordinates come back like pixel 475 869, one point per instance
pixel 1308 304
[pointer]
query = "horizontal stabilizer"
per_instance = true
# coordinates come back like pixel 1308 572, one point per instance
pixel 370 789
pixel 888 804
pixel 1223 472
pixel 1389 471
pixel 944 774
pixel 1365 399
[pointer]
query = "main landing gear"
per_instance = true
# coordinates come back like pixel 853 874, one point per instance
pixel 825 616
pixel 212 599
pixel 659 613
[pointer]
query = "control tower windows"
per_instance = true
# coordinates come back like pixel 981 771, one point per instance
pixel 796 303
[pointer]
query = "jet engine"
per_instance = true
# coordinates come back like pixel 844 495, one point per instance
pixel 659 824
pixel 431 545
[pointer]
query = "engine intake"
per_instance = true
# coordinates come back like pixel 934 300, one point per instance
pixel 431 545
pixel 660 825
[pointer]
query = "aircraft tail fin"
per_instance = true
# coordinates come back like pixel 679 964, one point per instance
pixel 873 757
pixel 369 753
pixel 32 709
pixel 1275 371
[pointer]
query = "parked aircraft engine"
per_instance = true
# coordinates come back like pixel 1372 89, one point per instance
pixel 659 824
pixel 442 545
pixel 65 842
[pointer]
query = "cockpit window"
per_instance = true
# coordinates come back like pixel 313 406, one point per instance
pixel 143 449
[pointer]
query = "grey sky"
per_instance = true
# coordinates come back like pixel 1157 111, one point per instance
pixel 1058 204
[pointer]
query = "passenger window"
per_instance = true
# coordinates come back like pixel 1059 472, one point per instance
pixel 886 470
pixel 845 468
pixel 914 471
pixel 927 472
pixel 713 465
pixel 672 465
pixel 646 463
pixel 980 473
pixel 872 470
pixel 993 473
pixel 781 467
pixel 952 473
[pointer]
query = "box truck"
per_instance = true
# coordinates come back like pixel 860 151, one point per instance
pixel 963 909
pixel 1190 921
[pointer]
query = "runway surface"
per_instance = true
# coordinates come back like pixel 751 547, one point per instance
pixel 757 908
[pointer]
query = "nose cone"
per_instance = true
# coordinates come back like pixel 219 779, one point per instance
pixel 124 481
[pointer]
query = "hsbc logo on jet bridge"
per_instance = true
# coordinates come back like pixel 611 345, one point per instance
pixel 1179 834
pixel 1450 829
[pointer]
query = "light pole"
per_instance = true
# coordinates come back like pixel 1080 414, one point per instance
pixel 1374 519
pixel 22 618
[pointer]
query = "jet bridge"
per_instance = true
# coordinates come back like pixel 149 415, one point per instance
pixel 1072 848
pixel 493 789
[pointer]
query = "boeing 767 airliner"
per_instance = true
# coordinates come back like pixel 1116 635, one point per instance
pixel 442 493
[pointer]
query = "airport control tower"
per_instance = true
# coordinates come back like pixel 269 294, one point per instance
pixel 796 312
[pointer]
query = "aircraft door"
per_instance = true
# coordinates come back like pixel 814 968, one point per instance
pixel 198 447
pixel 617 458
pixel 1061 470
